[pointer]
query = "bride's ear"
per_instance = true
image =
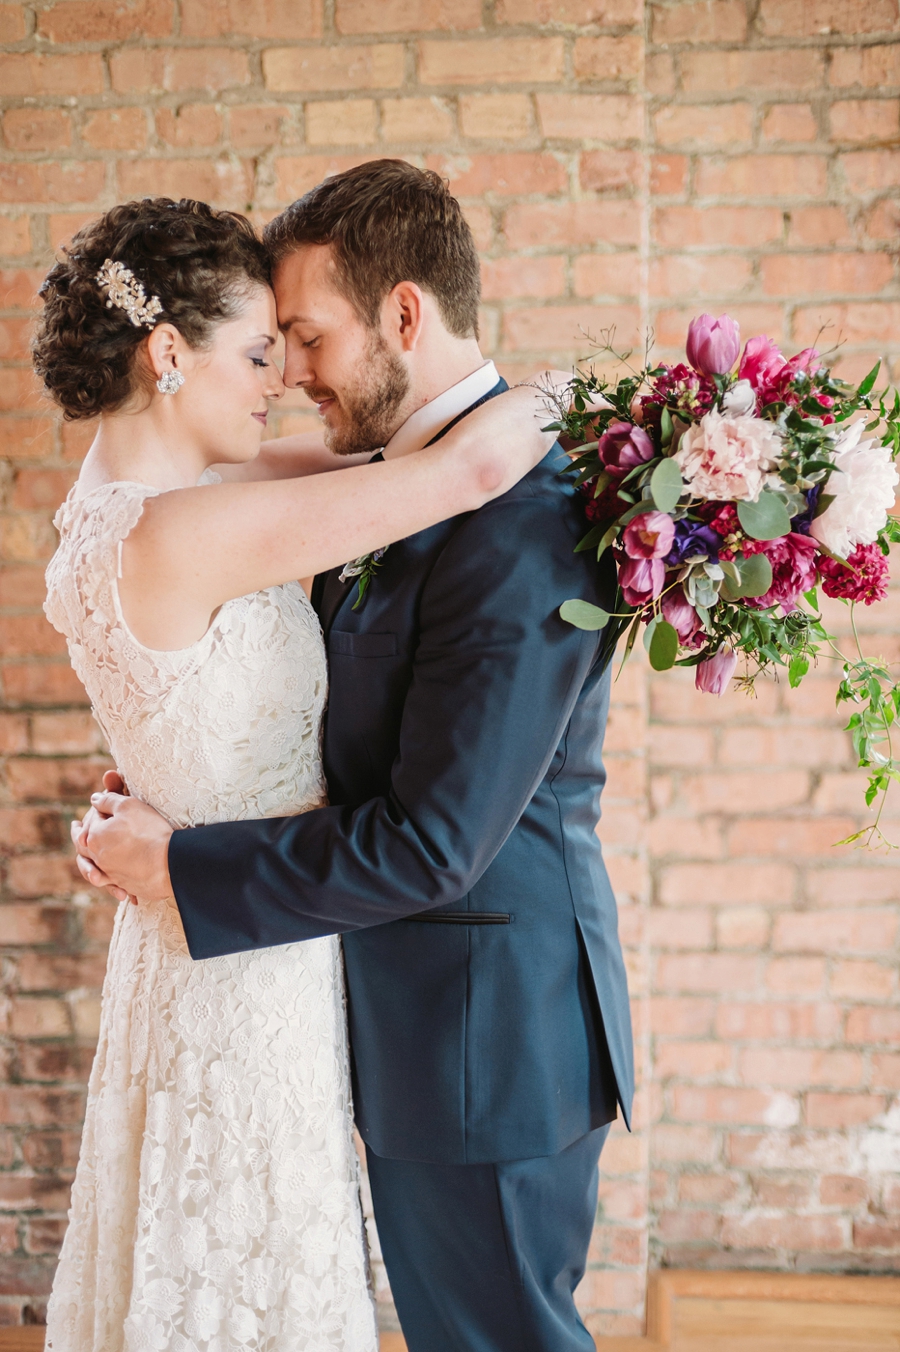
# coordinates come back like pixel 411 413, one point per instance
pixel 165 349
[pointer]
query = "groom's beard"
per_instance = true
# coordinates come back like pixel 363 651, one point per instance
pixel 369 411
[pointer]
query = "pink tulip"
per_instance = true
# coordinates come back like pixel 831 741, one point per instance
pixel 623 447
pixel 649 536
pixel 714 674
pixel 641 580
pixel 713 345
pixel 682 616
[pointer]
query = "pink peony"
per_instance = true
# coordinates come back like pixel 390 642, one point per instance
pixel 726 458
pixel 793 560
pixel 641 580
pixel 682 616
pixel 761 363
pixel 623 447
pixel 714 674
pixel 713 345
pixel 649 536
pixel 864 577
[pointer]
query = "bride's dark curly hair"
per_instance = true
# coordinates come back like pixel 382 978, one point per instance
pixel 199 262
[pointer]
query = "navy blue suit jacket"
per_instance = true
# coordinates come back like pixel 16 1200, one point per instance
pixel 487 994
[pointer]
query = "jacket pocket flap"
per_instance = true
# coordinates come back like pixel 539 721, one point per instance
pixel 461 918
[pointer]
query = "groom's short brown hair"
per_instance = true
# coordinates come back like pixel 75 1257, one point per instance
pixel 388 222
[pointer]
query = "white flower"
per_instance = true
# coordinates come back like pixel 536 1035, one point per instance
pixel 727 457
pixel 862 486
pixel 740 399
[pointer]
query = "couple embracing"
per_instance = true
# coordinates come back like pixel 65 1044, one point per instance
pixel 406 890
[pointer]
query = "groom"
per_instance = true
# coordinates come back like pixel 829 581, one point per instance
pixel 487 995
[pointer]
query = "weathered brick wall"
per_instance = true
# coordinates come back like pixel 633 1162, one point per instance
pixel 621 163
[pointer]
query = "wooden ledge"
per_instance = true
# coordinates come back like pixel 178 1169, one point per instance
pixel 691 1311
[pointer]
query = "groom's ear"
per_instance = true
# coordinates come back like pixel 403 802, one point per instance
pixel 403 315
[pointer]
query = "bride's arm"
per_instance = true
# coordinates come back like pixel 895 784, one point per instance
pixel 195 548
pixel 290 458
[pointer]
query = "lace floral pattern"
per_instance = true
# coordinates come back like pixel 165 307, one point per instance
pixel 216 1202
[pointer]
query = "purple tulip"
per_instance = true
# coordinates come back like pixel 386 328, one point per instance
pixel 649 536
pixel 641 580
pixel 714 674
pixel 713 345
pixel 682 616
pixel 623 447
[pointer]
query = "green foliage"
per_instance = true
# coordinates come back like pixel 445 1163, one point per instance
pixel 765 519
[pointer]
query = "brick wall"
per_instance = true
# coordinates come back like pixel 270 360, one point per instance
pixel 621 163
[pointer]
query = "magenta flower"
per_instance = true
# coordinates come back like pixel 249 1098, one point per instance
pixel 714 674
pixel 623 447
pixel 761 363
pixel 864 577
pixel 682 616
pixel 641 580
pixel 793 560
pixel 649 536
pixel 713 345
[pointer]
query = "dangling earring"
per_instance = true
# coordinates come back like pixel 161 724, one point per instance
pixel 170 382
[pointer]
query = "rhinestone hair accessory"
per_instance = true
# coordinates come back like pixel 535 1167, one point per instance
pixel 125 292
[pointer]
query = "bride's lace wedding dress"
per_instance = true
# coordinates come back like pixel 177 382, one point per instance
pixel 216 1202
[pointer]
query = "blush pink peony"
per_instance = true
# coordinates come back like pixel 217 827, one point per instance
pixel 726 458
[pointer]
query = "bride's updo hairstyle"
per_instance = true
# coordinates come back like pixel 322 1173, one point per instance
pixel 198 262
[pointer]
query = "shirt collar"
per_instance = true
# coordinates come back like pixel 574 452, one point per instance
pixel 424 425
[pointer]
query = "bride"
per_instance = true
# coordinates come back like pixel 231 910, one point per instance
pixel 216 1200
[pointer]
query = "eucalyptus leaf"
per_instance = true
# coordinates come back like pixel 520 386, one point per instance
pixel 650 630
pixel 663 646
pixel 583 615
pixel 666 485
pixel 756 575
pixel 765 519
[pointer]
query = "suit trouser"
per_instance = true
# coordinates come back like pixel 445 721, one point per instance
pixel 486 1257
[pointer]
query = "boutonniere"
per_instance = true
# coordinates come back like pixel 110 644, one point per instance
pixel 364 568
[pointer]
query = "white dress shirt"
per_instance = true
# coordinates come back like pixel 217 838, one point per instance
pixel 424 425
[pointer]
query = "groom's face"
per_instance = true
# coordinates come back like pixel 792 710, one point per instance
pixel 349 369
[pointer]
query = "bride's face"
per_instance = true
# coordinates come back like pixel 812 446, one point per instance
pixel 223 403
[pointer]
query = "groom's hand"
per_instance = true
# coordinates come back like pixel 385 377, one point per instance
pixel 123 845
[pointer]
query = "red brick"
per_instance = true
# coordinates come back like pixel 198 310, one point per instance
pixel 804 1233
pixel 38 1017
pixel 18 1191
pixel 817 1020
pixel 15 238
pixel 71 779
pixel 65 732
pixel 254 125
pixel 317 69
pixel 60 972
pixel 193 124
pixel 688 1144
pixel 12 23
pixel 404 16
pixel 550 224
pixel 871 67
pixel 295 175
pixel 156 69
pixel 681 1016
pixel 607 274
pixel 29 635
pixel 506 175
pixel 789 122
pixel 28 74
pixel 70 181
pixel 842 1190
pixel 740 1106
pixel 55 1062
pixel 612 12
pixel 762 176
pixel 279 19
pixel 42 683
pixel 707 973
pixel 18 288
pixel 539 277
pixel 876 1235
pixel 75 21
pixel 491 61
pixel 696 125
pixel 865 119
pixel 607 58
pixel 786 837
pixel 842 1110
pixel 883 221
pixel 51 1150
pixel 718 275
pixel 42 875
pixel 39 488
pixel 810 18
pixel 691 1060
pixel 22 586
pixel 45 1235
pixel 706 1188
pixel 683 227
pixel 31 924
pixel 866 1025
pixel 221 180
pixel 37 128
pixel 870 170
pixel 818 226
pixel 863 980
pixel 728 884
pixel 565 327
pixel 842 931
pixel 700 21
pixel 793 1066
pixel 847 273
pixel 796 976
pixel 116 129
pixel 419 121
pixel 592 117
pixel 721 72
pixel 668 175
pixel 885 1071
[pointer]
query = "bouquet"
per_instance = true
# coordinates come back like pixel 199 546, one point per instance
pixel 730 489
